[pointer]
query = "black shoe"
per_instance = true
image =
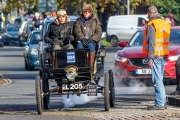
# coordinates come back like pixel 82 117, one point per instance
pixel 155 107
pixel 177 92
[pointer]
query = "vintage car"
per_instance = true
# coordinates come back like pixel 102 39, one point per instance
pixel 131 63
pixel 43 45
pixel 70 70
pixel 31 50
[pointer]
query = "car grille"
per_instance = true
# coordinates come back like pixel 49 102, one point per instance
pixel 138 62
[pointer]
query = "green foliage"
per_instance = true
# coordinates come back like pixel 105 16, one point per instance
pixel 105 43
pixel 167 6
pixel 27 5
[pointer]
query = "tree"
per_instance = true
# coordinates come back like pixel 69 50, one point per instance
pixel 166 6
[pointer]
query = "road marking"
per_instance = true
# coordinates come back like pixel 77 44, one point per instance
pixel 5 80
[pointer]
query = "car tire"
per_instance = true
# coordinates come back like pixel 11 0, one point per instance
pixel 25 64
pixel 30 68
pixel 38 95
pixel 20 43
pixel 45 88
pixel 40 72
pixel 2 45
pixel 114 41
pixel 106 92
pixel 111 88
pixel 6 43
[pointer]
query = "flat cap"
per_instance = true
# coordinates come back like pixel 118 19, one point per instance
pixel 152 9
pixel 61 12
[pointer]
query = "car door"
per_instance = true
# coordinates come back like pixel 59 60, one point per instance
pixel 26 48
pixel 24 33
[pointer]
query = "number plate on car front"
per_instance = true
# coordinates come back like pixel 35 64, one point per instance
pixel 143 71
pixel 72 86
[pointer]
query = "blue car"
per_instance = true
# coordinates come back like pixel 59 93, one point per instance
pixel 12 34
pixel 31 50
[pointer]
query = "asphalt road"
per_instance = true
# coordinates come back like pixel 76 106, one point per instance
pixel 17 97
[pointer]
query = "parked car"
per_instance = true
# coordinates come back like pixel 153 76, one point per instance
pixel 2 37
pixel 131 63
pixel 31 50
pixel 11 33
pixel 122 27
pixel 24 31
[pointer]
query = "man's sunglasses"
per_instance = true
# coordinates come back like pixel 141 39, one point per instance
pixel 59 15
pixel 85 11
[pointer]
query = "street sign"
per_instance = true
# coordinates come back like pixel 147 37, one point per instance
pixel 47 5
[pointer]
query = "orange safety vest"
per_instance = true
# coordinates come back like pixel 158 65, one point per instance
pixel 162 34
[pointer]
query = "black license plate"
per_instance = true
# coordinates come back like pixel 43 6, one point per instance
pixel 72 86
pixel 92 90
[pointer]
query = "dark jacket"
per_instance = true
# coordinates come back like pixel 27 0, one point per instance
pixel 36 24
pixel 88 29
pixel 59 31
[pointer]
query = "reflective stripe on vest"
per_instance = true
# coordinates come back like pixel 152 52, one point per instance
pixel 162 35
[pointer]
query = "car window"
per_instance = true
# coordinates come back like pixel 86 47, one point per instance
pixel 141 22
pixel 138 38
pixel 28 38
pixel 33 39
pixel 175 37
pixel 13 28
pixel 122 21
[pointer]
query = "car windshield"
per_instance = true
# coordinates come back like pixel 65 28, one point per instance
pixel 137 40
pixel 13 28
pixel 34 38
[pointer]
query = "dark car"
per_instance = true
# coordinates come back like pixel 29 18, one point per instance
pixel 11 34
pixel 131 63
pixel 42 44
pixel 24 31
pixel 31 50
pixel 2 37
pixel 100 48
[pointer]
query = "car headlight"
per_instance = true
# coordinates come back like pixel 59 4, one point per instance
pixel 70 75
pixel 0 36
pixel 119 58
pixel 71 72
pixel 33 51
pixel 173 58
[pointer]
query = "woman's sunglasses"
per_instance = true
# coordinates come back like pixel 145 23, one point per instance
pixel 59 15
pixel 85 11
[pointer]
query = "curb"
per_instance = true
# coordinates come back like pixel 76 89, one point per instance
pixel 173 100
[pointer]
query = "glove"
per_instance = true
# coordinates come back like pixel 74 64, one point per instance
pixel 85 42
pixel 71 38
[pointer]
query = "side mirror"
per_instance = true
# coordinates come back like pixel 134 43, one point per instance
pixel 122 43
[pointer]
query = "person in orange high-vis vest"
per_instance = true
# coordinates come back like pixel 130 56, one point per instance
pixel 156 45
